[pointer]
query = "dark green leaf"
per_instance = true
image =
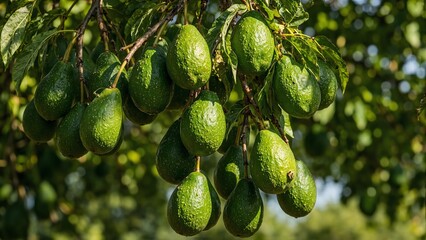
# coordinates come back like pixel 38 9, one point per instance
pixel 334 60
pixel 26 58
pixel 265 8
pixel 13 33
pixel 221 24
pixel 140 21
pixel 292 11
pixel 305 51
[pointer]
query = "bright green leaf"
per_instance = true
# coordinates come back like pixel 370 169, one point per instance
pixel 292 11
pixel 13 33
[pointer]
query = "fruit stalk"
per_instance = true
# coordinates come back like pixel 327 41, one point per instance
pixel 244 143
pixel 79 59
pixel 140 41
pixel 198 163
pixel 249 97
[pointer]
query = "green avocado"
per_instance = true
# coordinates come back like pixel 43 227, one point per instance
pixel 229 139
pixel 272 163
pixel 68 138
pixel 106 68
pixel 117 145
pixel 190 206
pixel 188 59
pixel 203 125
pixel 327 85
pixel 253 43
pixel 229 170
pixel 296 90
pixel 135 115
pixel 173 161
pixel 299 199
pixel 216 207
pixel 101 124
pixel 35 127
pixel 243 212
pixel 55 94
pixel 150 86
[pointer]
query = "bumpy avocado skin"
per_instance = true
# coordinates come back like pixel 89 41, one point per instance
pixel 35 127
pixel 68 138
pixel 243 212
pixel 272 163
pixel 188 59
pixel 102 121
pixel 106 68
pixel 173 161
pixel 56 92
pixel 296 90
pixel 150 86
pixel 253 43
pixel 190 207
pixel 300 198
pixel 180 97
pixel 203 125
pixel 327 84
pixel 229 170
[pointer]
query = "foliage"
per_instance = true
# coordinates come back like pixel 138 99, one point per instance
pixel 372 140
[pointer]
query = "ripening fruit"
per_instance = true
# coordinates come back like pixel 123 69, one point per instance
pixel 68 138
pixel 203 125
pixel 35 127
pixel 150 86
pixel 190 206
pixel 327 84
pixel 253 43
pixel 272 163
pixel 101 124
pixel 296 90
pixel 188 59
pixel 300 198
pixel 243 212
pixel 229 170
pixel 216 207
pixel 173 161
pixel 135 115
pixel 55 94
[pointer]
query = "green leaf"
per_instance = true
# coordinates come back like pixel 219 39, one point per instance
pixel 292 11
pixel 221 25
pixel 229 57
pixel 26 58
pixel 284 120
pixel 335 60
pixel 234 112
pixel 265 8
pixel 13 33
pixel 140 21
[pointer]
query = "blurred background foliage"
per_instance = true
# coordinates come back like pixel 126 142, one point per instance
pixel 370 143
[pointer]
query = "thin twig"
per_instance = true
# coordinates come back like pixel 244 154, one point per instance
pixel 101 24
pixel 247 91
pixel 244 142
pixel 80 34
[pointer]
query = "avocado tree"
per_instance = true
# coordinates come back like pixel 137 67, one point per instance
pixel 107 103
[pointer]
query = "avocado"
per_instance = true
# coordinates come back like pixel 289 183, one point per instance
pixel 173 161
pixel 296 90
pixel 216 207
pixel 272 163
pixel 189 207
pixel 299 199
pixel 55 94
pixel 117 145
pixel 135 115
pixel 106 68
pixel 150 86
pixel 253 43
pixel 35 127
pixel 229 170
pixel 327 84
pixel 101 124
pixel 188 59
pixel 68 133
pixel 229 139
pixel 203 125
pixel 243 212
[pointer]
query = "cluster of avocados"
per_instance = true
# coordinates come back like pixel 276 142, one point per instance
pixel 159 80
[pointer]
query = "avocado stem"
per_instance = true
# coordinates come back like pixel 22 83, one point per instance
pixel 185 12
pixel 244 143
pixel 197 163
pixel 67 53
pixel 249 97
